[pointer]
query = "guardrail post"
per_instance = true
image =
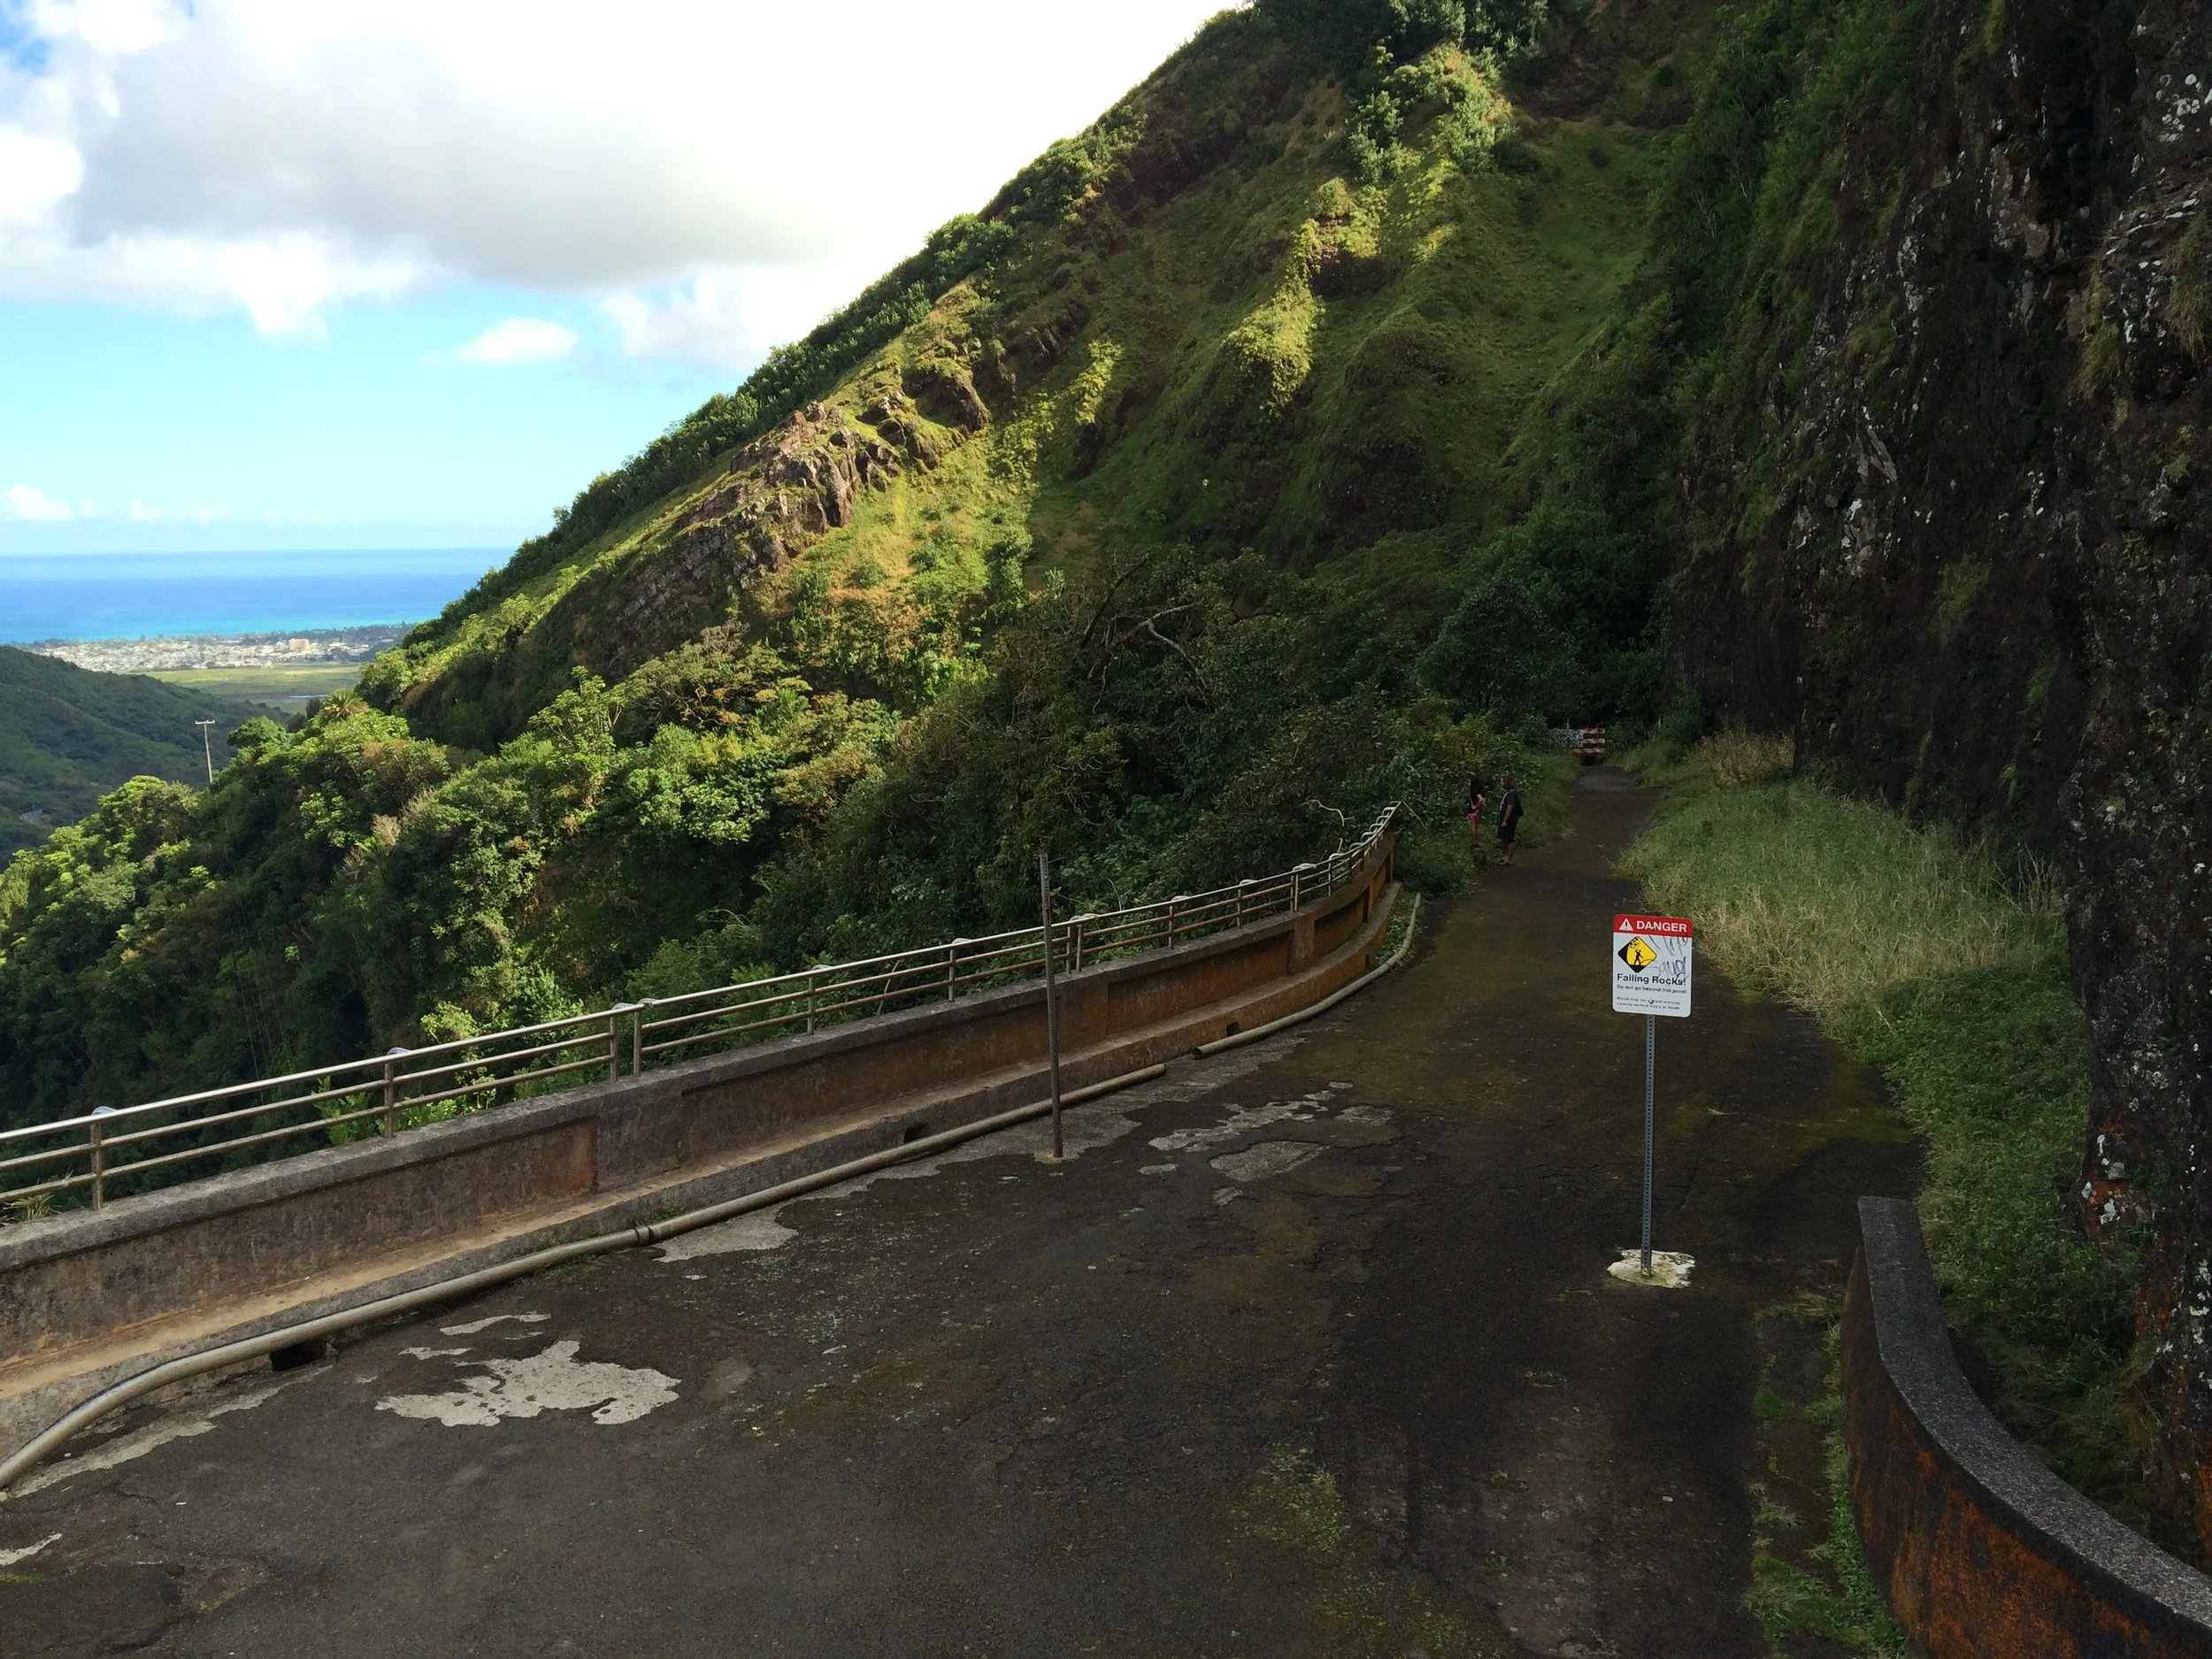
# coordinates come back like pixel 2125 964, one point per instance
pixel 637 1037
pixel 391 1091
pixel 810 1001
pixel 1075 942
pixel 99 1164
pixel 614 1041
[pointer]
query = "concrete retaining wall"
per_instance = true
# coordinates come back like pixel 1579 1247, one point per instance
pixel 1983 1552
pixel 86 1294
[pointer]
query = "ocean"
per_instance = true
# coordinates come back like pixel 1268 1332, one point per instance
pixel 132 595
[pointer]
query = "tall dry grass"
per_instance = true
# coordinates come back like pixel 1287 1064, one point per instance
pixel 1739 756
pixel 1918 954
pixel 1826 902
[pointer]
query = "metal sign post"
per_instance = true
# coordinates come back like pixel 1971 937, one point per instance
pixel 1651 1078
pixel 1052 1001
pixel 1651 956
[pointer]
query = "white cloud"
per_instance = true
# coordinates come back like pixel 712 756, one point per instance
pixel 520 340
pixel 37 506
pixel 109 26
pixel 279 157
pixel 35 172
pixel 731 315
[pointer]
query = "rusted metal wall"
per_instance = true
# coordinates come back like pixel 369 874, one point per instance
pixel 1981 1552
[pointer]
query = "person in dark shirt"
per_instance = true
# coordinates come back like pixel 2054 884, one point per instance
pixel 1509 818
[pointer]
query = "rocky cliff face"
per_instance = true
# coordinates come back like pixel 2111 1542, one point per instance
pixel 778 494
pixel 1968 480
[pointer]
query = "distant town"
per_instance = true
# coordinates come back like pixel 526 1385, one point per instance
pixel 171 652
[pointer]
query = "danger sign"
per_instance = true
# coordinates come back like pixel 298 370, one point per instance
pixel 1651 964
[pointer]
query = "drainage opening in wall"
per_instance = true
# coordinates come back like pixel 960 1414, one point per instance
pixel 1234 1029
pixel 914 1132
pixel 299 1354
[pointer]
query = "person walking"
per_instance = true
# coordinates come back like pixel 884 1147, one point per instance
pixel 1476 801
pixel 1509 818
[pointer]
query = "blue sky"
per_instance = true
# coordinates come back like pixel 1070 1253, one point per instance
pixel 408 273
pixel 160 431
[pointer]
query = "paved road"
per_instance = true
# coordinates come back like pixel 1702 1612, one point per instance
pixel 1309 1350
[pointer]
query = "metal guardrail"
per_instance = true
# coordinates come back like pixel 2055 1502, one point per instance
pixel 111 1151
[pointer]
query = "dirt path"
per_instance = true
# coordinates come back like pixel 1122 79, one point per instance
pixel 1309 1351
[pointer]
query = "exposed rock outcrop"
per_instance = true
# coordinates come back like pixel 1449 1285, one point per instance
pixel 1978 585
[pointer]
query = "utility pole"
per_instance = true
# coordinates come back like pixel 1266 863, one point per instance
pixel 1052 1001
pixel 207 749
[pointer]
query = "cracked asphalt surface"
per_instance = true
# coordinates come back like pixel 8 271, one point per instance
pixel 1307 1350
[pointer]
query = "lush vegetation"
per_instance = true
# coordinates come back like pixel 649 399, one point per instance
pixel 1922 957
pixel 68 736
pixel 1205 425
pixel 1305 434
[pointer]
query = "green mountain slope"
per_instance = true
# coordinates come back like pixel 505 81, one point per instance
pixel 1203 324
pixel 68 736
pixel 1164 512
pixel 1205 490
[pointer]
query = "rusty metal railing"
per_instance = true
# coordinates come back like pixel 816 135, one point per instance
pixel 110 1151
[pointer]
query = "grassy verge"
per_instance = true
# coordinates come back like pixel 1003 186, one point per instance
pixel 1917 956
pixel 276 684
pixel 1809 1574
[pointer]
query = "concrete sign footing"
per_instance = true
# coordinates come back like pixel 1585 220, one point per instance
pixel 1670 1270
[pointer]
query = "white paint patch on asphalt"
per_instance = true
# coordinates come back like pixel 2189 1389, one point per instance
pixel 1242 1120
pixel 8 1557
pixel 1265 1158
pixel 760 1231
pixel 474 1325
pixel 1083 1129
pixel 1365 1116
pixel 554 1381
pixel 138 1443
pixel 1227 1195
pixel 1157 1169
pixel 431 1353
